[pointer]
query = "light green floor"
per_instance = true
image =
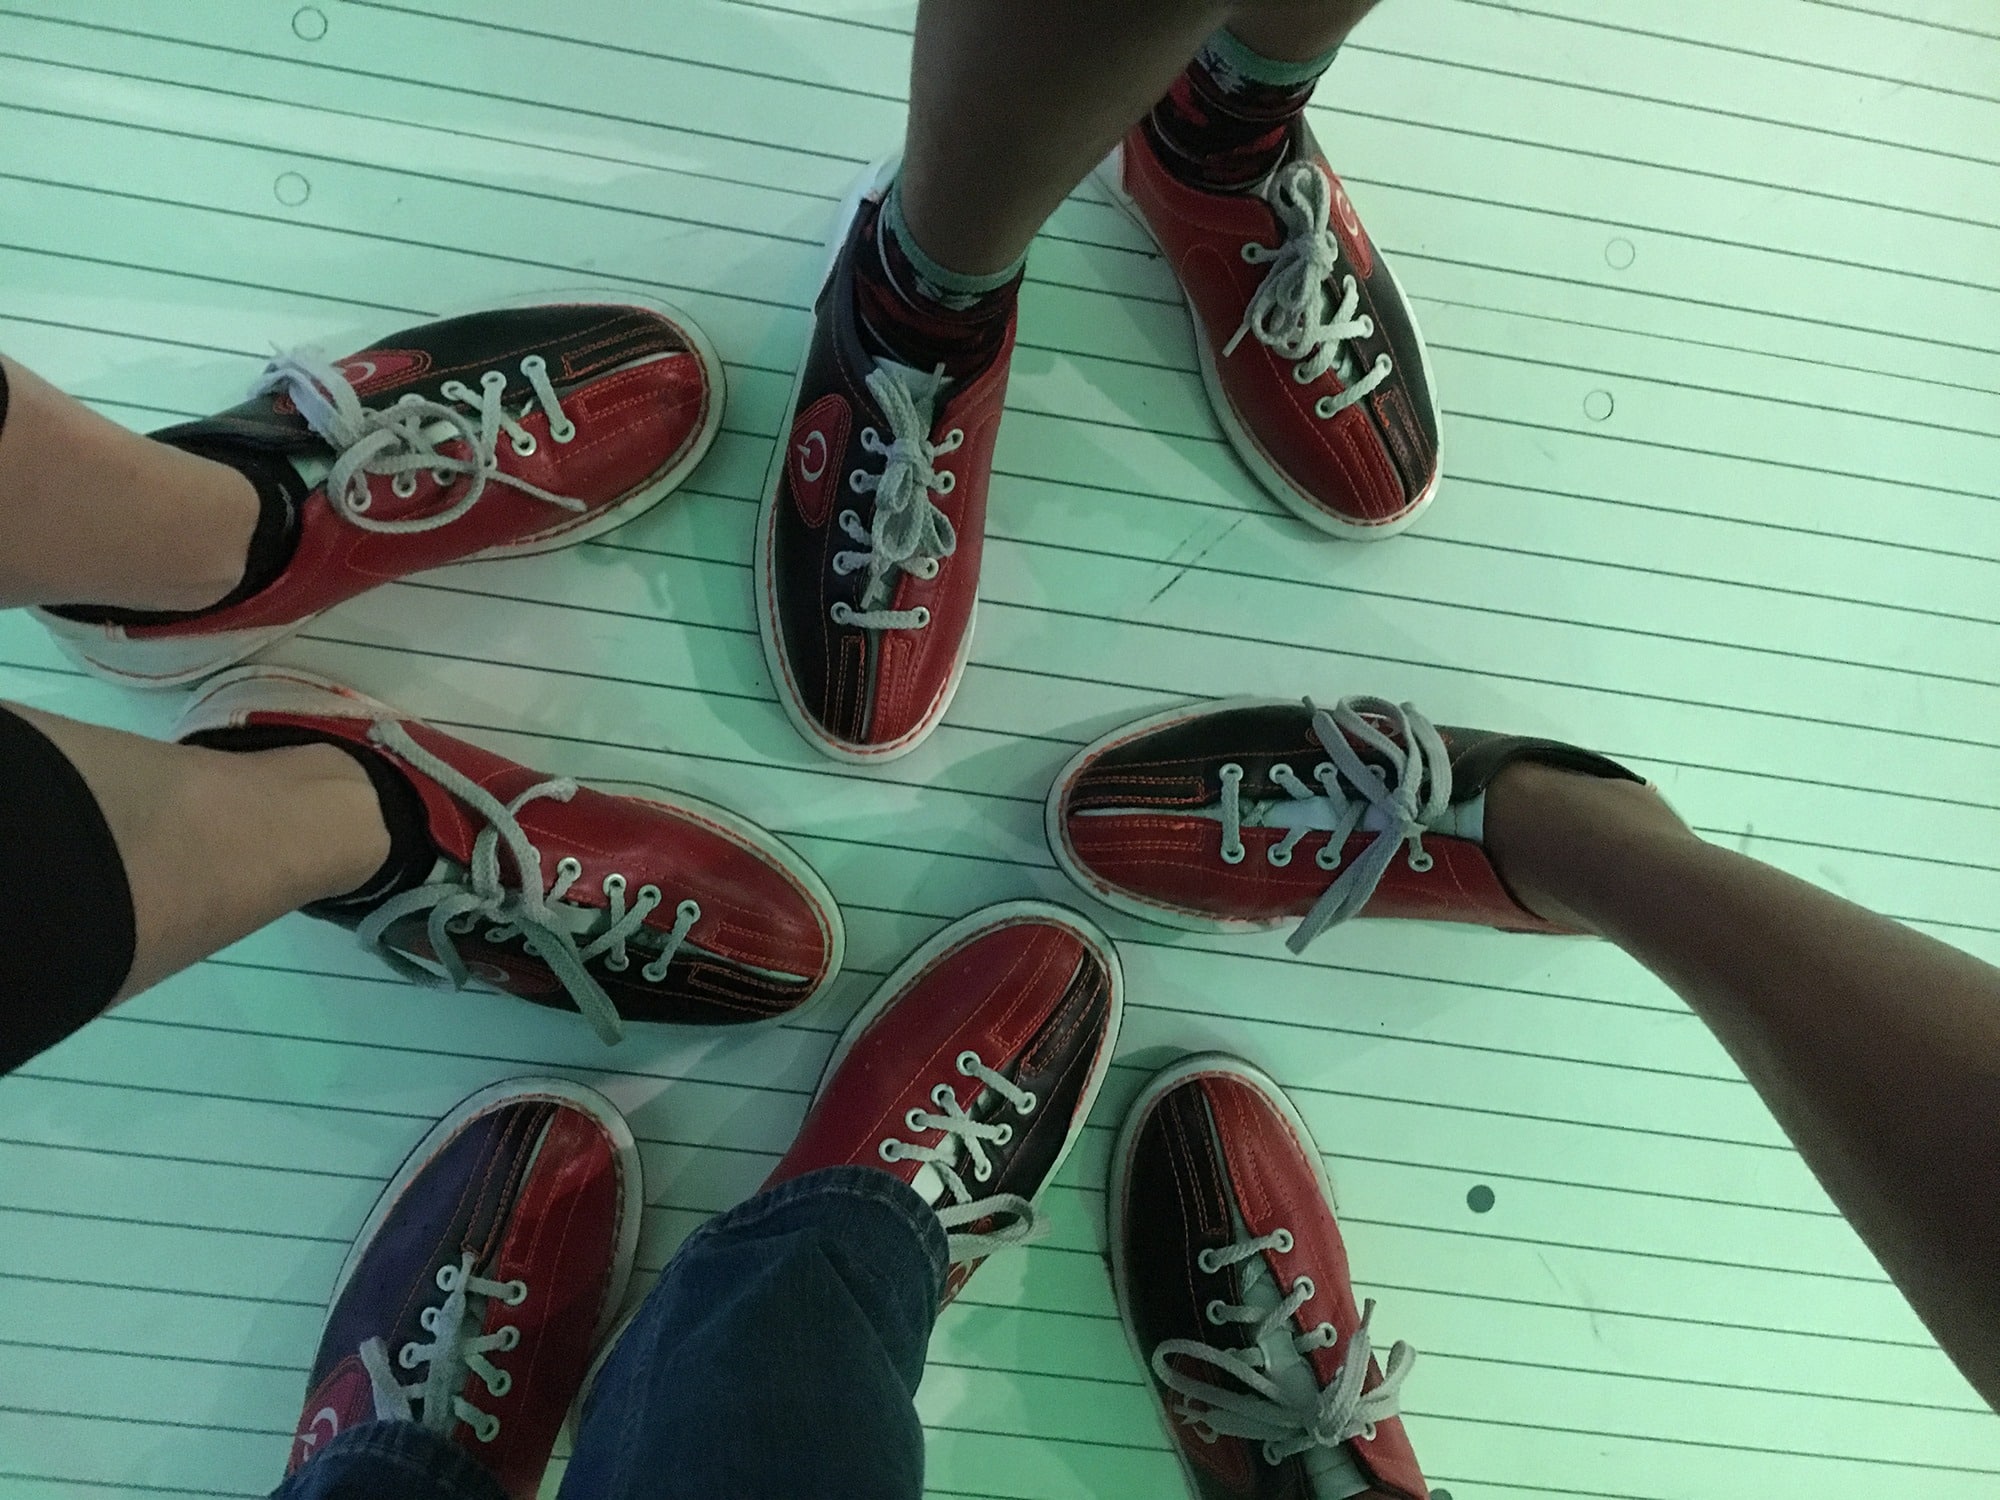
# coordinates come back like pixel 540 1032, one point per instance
pixel 1713 295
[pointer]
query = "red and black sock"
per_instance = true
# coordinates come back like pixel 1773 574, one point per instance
pixel 1227 121
pixel 918 313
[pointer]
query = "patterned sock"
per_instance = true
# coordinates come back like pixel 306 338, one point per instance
pixel 1227 120
pixel 917 312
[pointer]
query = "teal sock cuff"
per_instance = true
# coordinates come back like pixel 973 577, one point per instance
pixel 1228 53
pixel 950 285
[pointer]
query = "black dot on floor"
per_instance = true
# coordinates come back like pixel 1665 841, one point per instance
pixel 1479 1200
pixel 1440 1495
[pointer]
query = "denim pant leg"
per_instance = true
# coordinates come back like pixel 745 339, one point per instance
pixel 778 1356
pixel 390 1461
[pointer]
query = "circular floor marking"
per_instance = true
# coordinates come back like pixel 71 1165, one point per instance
pixel 309 24
pixel 1620 253
pixel 292 189
pixel 1480 1199
pixel 1598 405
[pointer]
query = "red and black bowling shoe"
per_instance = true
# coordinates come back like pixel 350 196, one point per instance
pixel 874 516
pixel 1251 813
pixel 497 434
pixel 639 905
pixel 1232 1282
pixel 1308 349
pixel 486 1274
pixel 970 1072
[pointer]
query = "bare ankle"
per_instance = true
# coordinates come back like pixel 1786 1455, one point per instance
pixel 1551 833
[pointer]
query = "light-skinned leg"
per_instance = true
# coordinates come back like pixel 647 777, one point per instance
pixel 91 513
pixel 1876 1047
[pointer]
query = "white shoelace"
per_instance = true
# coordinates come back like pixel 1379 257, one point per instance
pixel 456 907
pixel 909 534
pixel 401 440
pixel 453 1351
pixel 1402 802
pixel 966 1139
pixel 1284 1422
pixel 1304 309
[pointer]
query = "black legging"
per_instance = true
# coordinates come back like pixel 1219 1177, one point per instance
pixel 66 930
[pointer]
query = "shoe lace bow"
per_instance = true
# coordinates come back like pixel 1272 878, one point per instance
pixel 1400 803
pixel 908 534
pixel 1304 310
pixel 412 434
pixel 1263 1411
pixel 543 921
pixel 453 1351
pixel 965 1141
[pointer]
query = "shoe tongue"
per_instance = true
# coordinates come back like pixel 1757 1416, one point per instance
pixel 1332 1472
pixel 924 386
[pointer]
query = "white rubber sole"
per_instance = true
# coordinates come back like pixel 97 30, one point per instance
pixel 106 651
pixel 876 176
pixel 1056 826
pixel 1110 174
pixel 631 1185
pixel 1156 1088
pixel 226 700
pixel 958 932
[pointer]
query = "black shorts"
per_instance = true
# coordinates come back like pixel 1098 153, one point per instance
pixel 66 929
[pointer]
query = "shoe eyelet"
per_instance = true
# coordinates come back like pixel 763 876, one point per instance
pixel 943 1097
pixel 1207 1262
pixel 1252 252
pixel 1324 408
pixel 487 1430
pixel 890 1151
pixel 516 1293
pixel 407 1355
pixel 566 433
pixel 1301 376
pixel 404 485
pixel 571 866
pixel 501 1384
pixel 1213 1312
pixel 534 364
pixel 651 893
pixel 854 481
pixel 1028 1103
pixel 1328 857
pixel 923 616
pixel 1367 327
pixel 1283 1242
pixel 688 911
pixel 967 1061
pixel 913 1120
pixel 1272 856
pixel 497 934
pixel 1308 1286
pixel 525 444
pixel 1421 861
pixel 614 884
pixel 617 963
pixel 1003 1133
pixel 442 478
pixel 451 390
pixel 1232 854
pixel 840 612
pixel 493 380
pixel 946 482
pixel 982 1172
pixel 510 1338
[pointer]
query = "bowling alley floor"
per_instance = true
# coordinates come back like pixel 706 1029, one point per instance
pixel 1712 295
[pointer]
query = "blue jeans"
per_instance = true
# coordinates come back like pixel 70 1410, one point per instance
pixel 777 1356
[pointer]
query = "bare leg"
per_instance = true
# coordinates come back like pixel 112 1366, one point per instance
pixel 1877 1048
pixel 91 513
pixel 216 844
pixel 1012 102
